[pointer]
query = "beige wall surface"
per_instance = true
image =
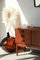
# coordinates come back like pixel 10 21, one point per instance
pixel 31 13
pixel 2 26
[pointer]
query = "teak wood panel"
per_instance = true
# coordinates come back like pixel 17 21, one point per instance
pixel 36 38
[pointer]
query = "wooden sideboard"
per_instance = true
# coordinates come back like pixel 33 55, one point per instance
pixel 29 37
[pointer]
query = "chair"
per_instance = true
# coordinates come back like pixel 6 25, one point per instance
pixel 22 39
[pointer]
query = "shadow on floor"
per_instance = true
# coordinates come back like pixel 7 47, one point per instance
pixel 3 55
pixel 30 58
pixel 34 52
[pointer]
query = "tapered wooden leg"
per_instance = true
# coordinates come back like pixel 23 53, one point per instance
pixel 16 50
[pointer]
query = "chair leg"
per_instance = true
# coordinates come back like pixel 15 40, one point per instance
pixel 16 50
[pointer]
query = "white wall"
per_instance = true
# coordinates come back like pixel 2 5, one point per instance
pixel 2 26
pixel 31 13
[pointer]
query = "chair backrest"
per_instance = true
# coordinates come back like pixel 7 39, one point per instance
pixel 22 35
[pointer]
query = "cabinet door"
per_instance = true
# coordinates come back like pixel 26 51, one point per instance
pixel 36 38
pixel 27 36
